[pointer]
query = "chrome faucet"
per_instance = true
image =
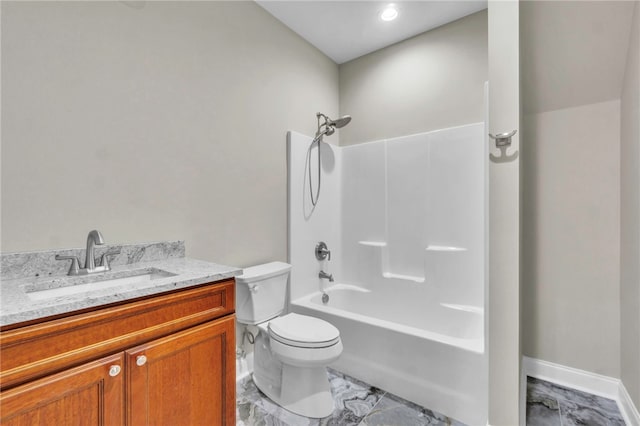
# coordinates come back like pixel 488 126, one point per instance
pixel 323 274
pixel 93 239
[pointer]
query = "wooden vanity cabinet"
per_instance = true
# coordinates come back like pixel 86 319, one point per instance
pixel 164 360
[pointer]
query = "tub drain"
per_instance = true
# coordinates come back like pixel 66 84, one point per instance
pixel 325 298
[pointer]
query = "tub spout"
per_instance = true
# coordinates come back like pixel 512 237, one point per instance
pixel 323 274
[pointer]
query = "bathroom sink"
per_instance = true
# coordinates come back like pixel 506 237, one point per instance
pixel 74 285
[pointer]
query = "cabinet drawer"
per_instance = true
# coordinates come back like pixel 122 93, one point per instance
pixel 36 350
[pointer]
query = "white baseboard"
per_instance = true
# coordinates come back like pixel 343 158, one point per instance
pixel 572 377
pixel 593 383
pixel 628 409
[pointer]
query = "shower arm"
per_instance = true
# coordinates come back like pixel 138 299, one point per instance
pixel 325 124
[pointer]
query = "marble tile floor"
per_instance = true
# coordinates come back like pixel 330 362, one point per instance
pixel 356 404
pixel 549 404
pixel 359 404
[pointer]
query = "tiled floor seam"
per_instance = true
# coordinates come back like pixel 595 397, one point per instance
pixel 373 408
pixel 559 410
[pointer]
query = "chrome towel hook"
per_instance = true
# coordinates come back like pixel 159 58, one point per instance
pixel 503 141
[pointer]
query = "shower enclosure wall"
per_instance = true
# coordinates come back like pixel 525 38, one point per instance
pixel 405 220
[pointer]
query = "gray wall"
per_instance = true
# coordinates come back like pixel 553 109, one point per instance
pixel 153 121
pixel 432 81
pixel 571 237
pixel 571 187
pixel 630 217
pixel 572 52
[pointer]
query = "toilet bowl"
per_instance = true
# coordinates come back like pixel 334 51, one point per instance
pixel 304 341
pixel 291 351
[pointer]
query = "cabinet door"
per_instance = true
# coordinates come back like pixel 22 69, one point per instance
pixel 91 394
pixel 187 378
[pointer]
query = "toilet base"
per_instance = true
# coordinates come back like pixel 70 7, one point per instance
pixel 294 378
pixel 304 391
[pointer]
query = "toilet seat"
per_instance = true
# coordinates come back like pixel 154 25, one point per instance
pixel 303 331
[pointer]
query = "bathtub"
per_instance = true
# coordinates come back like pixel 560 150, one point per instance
pixel 426 352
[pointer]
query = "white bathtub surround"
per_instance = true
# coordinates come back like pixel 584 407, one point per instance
pixel 406 221
pixel 309 225
pixel 412 210
pixel 584 381
pixel 407 209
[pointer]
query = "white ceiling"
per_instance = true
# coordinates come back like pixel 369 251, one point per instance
pixel 345 30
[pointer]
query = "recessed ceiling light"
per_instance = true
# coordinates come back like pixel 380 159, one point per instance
pixel 389 13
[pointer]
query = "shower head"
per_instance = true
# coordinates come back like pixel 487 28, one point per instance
pixel 330 125
pixel 340 122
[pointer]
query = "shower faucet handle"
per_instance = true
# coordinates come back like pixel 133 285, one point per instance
pixel 322 252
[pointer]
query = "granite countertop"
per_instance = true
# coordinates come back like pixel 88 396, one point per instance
pixel 169 268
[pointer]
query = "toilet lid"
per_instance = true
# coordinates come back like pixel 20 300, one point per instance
pixel 303 331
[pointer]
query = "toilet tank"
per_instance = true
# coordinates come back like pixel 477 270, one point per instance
pixel 261 292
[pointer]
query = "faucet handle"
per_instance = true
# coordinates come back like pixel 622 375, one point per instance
pixel 322 252
pixel 74 269
pixel 104 259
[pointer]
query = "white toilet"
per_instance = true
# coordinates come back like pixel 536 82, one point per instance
pixel 291 352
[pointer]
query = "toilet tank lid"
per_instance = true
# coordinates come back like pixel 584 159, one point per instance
pixel 264 271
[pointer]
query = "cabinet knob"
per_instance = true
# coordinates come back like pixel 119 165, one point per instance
pixel 141 360
pixel 114 370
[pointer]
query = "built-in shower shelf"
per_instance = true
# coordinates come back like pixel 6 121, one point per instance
pixel 373 243
pixel 403 277
pixel 384 259
pixel 466 308
pixel 445 248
